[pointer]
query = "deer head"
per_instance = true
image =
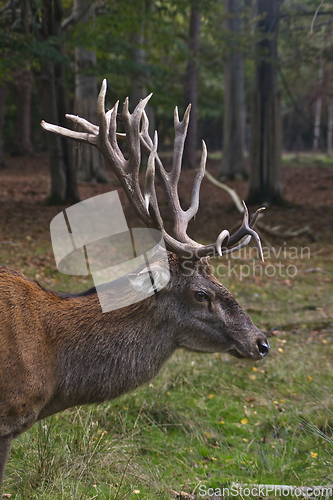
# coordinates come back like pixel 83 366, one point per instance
pixel 206 306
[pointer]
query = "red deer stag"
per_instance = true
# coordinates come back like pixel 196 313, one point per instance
pixel 58 351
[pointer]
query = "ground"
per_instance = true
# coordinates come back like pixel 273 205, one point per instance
pixel 205 421
pixel 308 184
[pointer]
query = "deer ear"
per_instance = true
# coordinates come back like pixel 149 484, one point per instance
pixel 150 279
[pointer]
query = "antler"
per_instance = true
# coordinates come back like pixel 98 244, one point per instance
pixel 105 136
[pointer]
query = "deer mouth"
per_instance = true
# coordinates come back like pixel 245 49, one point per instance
pixel 235 353
pixel 263 349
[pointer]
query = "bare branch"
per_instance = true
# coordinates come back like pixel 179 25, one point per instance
pixel 314 17
pixel 236 199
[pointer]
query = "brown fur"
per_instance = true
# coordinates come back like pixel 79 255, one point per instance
pixel 57 351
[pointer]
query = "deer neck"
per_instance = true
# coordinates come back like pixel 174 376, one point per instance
pixel 101 356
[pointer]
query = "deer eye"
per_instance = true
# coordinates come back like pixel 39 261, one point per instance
pixel 201 296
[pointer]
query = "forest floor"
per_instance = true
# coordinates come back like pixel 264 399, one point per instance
pixel 205 421
pixel 307 182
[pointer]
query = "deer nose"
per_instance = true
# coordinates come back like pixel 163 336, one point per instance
pixel 263 347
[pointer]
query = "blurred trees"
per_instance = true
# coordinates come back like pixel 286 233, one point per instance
pixel 50 81
pixel 142 46
pixel 304 45
pixel 87 159
pixel 191 86
pixel 31 40
pixel 265 149
pixel 49 76
pixel 233 165
pixel 24 86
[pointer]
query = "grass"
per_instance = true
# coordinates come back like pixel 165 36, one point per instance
pixel 206 419
pixel 309 159
pixel 303 159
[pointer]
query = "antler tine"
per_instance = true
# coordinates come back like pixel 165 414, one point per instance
pixel 131 124
pixel 145 129
pixel 247 229
pixel 93 132
pixel 71 134
pixel 140 107
pixel 147 145
pixel 92 137
pixel 194 207
pixel 87 126
pixel 108 128
pixel 113 128
pixel 103 131
pixel 243 244
pixel 170 180
pixel 220 239
pixel 107 136
pixel 255 216
pixel 150 191
pixel 178 148
pixel 180 248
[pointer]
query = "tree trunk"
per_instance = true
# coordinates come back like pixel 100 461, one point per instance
pixel 50 84
pixel 24 85
pixel 191 88
pixel 47 90
pixel 63 105
pixel 316 132
pixel 24 145
pixel 3 93
pixel 265 145
pixel 330 128
pixel 233 165
pixel 87 159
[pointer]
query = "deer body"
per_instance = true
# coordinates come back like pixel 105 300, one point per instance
pixel 62 351
pixel 59 351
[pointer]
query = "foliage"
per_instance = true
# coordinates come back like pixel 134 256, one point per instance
pixel 165 24
pixel 304 46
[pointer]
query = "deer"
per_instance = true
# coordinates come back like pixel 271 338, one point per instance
pixel 60 350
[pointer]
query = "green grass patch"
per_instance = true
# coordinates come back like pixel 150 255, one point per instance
pixel 307 160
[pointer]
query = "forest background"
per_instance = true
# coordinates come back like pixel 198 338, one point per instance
pixel 259 76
